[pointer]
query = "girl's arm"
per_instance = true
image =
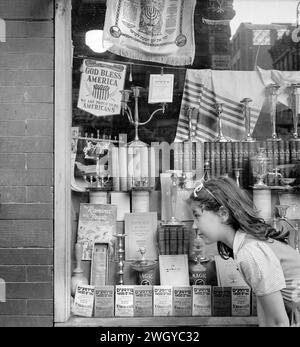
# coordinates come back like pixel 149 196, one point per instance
pixel 271 311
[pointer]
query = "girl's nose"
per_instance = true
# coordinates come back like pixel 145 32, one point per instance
pixel 195 225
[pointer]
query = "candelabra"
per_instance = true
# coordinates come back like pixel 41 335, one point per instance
pixel 120 253
pixel 139 180
pixel 220 137
pixel 136 92
pixel 273 93
pixel 98 177
pixel 247 118
pixel 294 101
pixel 98 150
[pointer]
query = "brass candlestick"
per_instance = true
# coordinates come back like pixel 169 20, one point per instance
pixel 174 186
pixel 294 101
pixel 220 137
pixel 273 94
pixel 247 118
pixel 120 253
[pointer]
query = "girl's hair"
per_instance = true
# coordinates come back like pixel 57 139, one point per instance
pixel 243 215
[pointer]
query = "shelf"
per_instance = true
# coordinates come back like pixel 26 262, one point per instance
pixel 159 321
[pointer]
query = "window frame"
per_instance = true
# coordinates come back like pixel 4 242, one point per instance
pixel 62 161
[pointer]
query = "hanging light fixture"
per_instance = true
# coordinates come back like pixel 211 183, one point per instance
pixel 94 40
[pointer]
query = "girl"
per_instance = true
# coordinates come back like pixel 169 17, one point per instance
pixel 223 213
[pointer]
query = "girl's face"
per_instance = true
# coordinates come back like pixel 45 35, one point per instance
pixel 209 224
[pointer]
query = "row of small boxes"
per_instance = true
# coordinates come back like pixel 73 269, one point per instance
pixel 147 301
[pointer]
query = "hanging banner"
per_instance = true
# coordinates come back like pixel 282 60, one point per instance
pixel 100 86
pixel 153 30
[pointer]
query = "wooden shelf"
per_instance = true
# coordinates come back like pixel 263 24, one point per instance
pixel 158 321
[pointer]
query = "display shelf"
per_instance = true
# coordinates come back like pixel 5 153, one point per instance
pixel 159 321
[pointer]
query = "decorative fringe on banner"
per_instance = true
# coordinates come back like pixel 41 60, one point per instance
pixel 226 87
pixel 215 22
pixel 160 31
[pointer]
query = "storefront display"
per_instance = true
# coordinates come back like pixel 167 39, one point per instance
pixel 156 265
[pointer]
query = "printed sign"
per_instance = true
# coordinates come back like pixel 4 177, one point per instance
pixel 100 87
pixel 161 88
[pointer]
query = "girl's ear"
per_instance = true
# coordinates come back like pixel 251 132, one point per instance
pixel 223 214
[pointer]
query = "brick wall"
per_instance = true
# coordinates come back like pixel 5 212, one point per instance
pixel 26 162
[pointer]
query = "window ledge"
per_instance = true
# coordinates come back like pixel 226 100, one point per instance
pixel 158 321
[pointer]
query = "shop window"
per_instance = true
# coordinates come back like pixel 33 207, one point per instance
pixel 85 18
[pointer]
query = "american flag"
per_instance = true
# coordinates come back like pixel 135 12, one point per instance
pixel 201 95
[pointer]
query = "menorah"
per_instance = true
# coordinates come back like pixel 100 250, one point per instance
pixel 97 149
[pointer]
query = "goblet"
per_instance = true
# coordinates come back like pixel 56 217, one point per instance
pixel 145 268
pixel 260 165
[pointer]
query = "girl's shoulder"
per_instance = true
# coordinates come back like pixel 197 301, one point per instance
pixel 258 250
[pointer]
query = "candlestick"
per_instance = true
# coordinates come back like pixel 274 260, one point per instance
pixel 120 252
pixel 247 118
pixel 272 93
pixel 220 137
pixel 294 102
